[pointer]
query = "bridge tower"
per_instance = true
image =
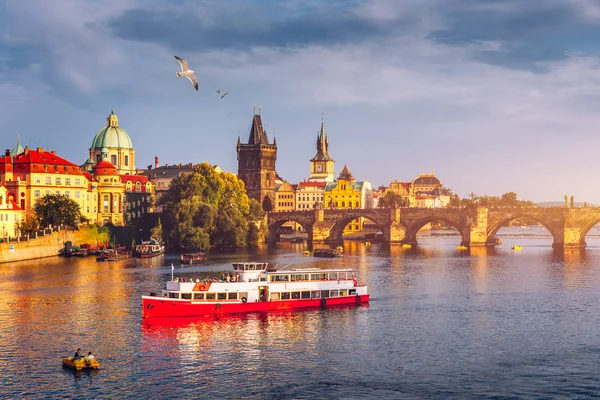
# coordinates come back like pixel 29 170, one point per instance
pixel 321 165
pixel 256 165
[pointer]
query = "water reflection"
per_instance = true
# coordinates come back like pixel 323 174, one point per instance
pixel 441 323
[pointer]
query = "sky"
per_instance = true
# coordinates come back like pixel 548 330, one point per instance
pixel 492 96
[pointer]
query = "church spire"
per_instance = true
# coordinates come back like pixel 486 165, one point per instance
pixel 322 145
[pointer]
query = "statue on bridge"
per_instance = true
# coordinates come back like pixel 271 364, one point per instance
pixel 572 202
pixel 566 201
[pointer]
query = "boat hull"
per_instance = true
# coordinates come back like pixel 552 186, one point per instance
pixel 158 307
pixel 149 255
pixel 80 364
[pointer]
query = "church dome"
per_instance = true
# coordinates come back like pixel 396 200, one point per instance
pixel 427 179
pixel 111 136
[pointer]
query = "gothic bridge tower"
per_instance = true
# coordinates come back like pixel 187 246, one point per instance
pixel 256 165
pixel 321 165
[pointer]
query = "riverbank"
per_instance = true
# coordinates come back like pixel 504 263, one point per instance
pixel 43 246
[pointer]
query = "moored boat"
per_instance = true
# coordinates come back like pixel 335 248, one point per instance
pixel 192 258
pixel 257 288
pixel 151 248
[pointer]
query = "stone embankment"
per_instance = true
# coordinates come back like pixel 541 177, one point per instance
pixel 42 246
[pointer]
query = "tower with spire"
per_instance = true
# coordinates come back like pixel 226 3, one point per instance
pixel 256 164
pixel 321 165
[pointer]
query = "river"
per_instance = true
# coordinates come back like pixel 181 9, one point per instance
pixel 441 324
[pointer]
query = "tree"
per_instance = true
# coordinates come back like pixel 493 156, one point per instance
pixel 390 200
pixel 58 209
pixel 509 198
pixel 29 224
pixel 157 231
pixel 206 208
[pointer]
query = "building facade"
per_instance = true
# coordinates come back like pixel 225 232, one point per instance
pixel 256 165
pixel 10 215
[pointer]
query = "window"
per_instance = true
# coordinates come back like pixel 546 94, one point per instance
pixel 48 180
pixel 78 181
pixel 306 295
pixel 57 181
pixel 232 296
pixel 210 296
pixel 315 294
pixel 38 179
pixel 36 193
pixel 221 296
pixel 198 296
pixel 295 295
pixel 173 295
pixel 126 160
pixel 285 296
pixel 274 296
pixel 67 181
pixel 77 194
pixel 113 159
pixel 67 193
pixel 106 203
pixel 186 296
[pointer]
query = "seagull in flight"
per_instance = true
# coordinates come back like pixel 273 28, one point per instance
pixel 219 91
pixel 226 93
pixel 188 73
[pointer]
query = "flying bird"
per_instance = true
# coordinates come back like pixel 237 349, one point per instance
pixel 188 73
pixel 226 93
pixel 219 91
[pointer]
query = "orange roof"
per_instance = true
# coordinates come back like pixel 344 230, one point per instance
pixel 105 168
pixel 134 178
pixel 312 184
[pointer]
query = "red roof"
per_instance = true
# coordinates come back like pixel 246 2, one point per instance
pixel 136 179
pixel 312 184
pixel 424 196
pixel 38 161
pixel 105 168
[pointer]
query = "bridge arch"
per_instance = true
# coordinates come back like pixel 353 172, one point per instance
pixel 585 230
pixel 282 218
pixel 495 227
pixel 459 224
pixel 337 230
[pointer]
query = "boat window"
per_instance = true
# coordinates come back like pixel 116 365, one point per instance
pixel 343 292
pixel 222 296
pixel 306 295
pixel 274 296
pixel 210 297
pixel 243 294
pixel 280 278
pixel 351 292
pixel 333 276
pixel 334 293
pixel 186 296
pixel 295 295
pixel 342 275
pixel 324 293
pixel 232 296
pixel 315 277
pixel 285 296
pixel 263 279
pixel 198 296
pixel 173 295
pixel 315 294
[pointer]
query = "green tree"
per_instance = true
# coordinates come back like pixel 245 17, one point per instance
pixel 157 231
pixel 390 200
pixel 206 208
pixel 509 199
pixel 29 224
pixel 58 209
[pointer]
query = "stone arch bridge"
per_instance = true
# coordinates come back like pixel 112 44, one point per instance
pixel 477 226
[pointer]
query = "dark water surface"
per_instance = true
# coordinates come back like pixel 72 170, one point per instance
pixel 495 323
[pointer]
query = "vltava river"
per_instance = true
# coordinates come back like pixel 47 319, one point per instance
pixel 492 324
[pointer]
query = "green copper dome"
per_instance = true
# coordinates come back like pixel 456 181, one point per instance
pixel 111 136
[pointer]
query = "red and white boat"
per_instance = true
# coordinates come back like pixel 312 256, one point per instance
pixel 254 288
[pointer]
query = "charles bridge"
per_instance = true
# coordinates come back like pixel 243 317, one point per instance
pixel 477 226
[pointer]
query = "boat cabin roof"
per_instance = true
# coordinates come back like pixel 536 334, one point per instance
pixel 250 266
pixel 311 270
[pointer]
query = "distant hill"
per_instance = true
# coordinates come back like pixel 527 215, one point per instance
pixel 561 204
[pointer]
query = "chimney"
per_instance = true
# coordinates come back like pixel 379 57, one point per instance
pixel 179 165
pixel 26 150
pixel 40 149
pixel 7 152
pixel 53 152
pixel 156 165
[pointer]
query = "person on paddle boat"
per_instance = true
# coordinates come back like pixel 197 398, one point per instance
pixel 77 356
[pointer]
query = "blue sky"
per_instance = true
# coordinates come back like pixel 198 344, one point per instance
pixel 492 96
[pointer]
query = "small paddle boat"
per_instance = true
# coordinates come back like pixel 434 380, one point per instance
pixel 81 363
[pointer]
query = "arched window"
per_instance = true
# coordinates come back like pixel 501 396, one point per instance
pixel 126 161
pixel 113 159
pixel 105 205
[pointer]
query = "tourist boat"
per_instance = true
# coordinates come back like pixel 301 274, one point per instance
pixel 192 258
pixel 151 248
pixel 517 247
pixel 324 252
pixel 81 363
pixel 257 288
pixel 462 248
pixel 306 253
